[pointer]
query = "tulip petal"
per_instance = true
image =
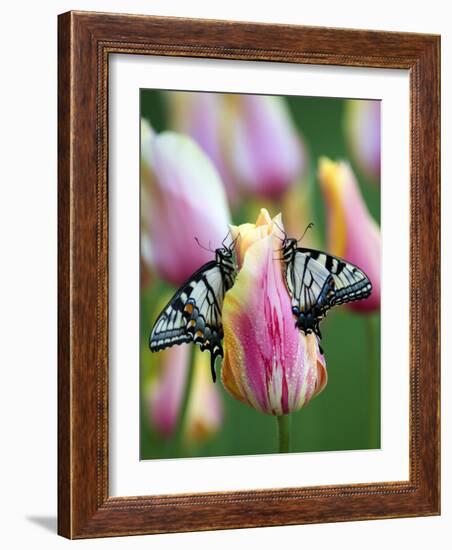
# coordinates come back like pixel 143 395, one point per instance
pixel 185 200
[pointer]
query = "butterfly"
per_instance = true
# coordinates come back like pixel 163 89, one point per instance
pixel 194 313
pixel 317 281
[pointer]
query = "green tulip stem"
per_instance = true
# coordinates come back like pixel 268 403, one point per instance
pixel 181 421
pixel 284 422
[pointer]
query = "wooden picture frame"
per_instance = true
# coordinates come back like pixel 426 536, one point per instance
pixel 85 42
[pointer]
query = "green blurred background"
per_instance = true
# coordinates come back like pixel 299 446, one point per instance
pixel 346 415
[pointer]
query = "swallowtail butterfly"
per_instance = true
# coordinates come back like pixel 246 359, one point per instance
pixel 318 281
pixel 194 313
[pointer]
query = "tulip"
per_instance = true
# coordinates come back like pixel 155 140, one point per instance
pixel 204 414
pixel 182 198
pixel 268 364
pixel 267 153
pixel 205 408
pixel 166 390
pixel 352 232
pixel 362 127
pixel 201 115
pixel 251 139
pixel 180 395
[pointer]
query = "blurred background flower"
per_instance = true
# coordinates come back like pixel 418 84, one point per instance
pixel 362 128
pixel 208 160
pixel 267 152
pixel 205 407
pixel 251 139
pixel 202 117
pixel 166 390
pixel 182 197
pixel 269 364
pixel 352 233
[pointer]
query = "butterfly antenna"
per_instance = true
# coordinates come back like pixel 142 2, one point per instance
pixel 235 240
pixel 203 247
pixel 309 226
pixel 223 242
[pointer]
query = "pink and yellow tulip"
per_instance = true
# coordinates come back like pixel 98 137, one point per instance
pixel 268 154
pixel 269 364
pixel 352 232
pixel 182 198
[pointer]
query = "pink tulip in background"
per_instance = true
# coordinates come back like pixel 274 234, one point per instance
pixel 267 151
pixel 182 198
pixel 166 391
pixel 202 117
pixel 363 131
pixel 251 140
pixel 352 232
pixel 269 364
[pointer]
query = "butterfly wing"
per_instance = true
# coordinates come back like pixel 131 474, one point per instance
pixel 311 286
pixel 318 281
pixel 194 314
pixel 350 282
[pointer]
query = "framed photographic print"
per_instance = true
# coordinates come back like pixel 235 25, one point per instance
pixel 248 275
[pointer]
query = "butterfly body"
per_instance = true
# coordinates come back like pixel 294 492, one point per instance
pixel 194 313
pixel 317 281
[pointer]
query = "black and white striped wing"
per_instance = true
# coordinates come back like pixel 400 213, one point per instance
pixel 309 283
pixel 350 282
pixel 194 314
